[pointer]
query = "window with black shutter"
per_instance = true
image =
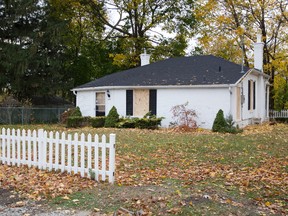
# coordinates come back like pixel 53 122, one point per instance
pixel 249 94
pixel 129 102
pixel 254 95
pixel 153 101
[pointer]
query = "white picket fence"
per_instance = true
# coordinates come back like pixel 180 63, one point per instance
pixel 278 114
pixel 89 157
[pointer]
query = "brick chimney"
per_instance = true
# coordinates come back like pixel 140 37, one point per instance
pixel 258 53
pixel 145 58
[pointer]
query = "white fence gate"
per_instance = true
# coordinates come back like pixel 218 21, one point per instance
pixel 89 157
pixel 278 114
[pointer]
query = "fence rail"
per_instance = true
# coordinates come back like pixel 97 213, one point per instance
pixel 278 114
pixel 89 157
pixel 28 115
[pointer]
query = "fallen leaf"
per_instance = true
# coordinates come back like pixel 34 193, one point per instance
pixel 267 204
pixel 20 204
pixel 96 209
pixel 66 198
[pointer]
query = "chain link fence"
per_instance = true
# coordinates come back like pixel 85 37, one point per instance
pixel 28 115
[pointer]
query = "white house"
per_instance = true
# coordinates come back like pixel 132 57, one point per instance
pixel 207 83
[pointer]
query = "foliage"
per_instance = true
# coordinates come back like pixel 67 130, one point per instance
pixel 280 93
pixel 223 125
pixel 137 21
pixel 32 51
pixel 230 125
pixel 127 123
pixel 112 118
pixel 149 121
pixel 98 121
pixel 74 121
pixel 185 117
pixel 219 124
pixel 71 112
pixel 228 29
pixel 49 46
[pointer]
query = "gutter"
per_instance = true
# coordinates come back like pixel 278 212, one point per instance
pixel 154 87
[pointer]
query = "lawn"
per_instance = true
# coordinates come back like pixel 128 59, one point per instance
pixel 166 172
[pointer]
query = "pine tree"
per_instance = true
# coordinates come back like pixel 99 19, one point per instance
pixel 112 118
pixel 219 124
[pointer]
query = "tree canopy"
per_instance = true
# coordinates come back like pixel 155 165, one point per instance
pixel 48 47
pixel 228 28
pixel 135 25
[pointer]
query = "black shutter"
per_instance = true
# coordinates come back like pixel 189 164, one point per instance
pixel 254 95
pixel 153 101
pixel 129 102
pixel 249 91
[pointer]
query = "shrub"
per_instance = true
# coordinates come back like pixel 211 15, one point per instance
pixel 147 122
pixel 127 123
pixel 98 122
pixel 69 113
pixel 74 121
pixel 76 112
pixel 223 125
pixel 112 118
pixel 185 118
pixel 219 124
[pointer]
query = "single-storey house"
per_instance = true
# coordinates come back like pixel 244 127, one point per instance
pixel 207 83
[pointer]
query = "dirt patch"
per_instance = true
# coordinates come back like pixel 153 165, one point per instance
pixel 121 200
pixel 11 203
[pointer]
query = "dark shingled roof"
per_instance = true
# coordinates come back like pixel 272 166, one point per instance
pixel 194 70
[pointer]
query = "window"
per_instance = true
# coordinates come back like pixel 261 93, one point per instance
pixel 140 101
pixel 251 95
pixel 100 103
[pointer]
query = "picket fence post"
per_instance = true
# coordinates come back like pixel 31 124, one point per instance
pixel 112 139
pixel 96 157
pixel 40 159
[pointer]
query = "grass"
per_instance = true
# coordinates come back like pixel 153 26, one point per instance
pixel 201 173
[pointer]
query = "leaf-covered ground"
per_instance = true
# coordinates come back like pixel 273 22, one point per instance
pixel 168 172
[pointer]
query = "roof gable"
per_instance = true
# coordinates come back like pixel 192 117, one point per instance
pixel 194 70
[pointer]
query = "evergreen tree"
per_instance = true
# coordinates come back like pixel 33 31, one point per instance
pixel 32 53
pixel 219 124
pixel 112 118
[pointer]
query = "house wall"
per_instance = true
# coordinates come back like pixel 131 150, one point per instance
pixel 85 100
pixel 205 101
pixel 117 99
pixel 249 116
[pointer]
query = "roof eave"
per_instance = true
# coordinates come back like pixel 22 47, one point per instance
pixel 255 71
pixel 153 87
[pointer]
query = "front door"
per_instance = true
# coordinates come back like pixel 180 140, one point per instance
pixel 100 104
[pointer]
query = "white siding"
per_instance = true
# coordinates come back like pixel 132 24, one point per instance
pixel 260 111
pixel 117 99
pixel 260 99
pixel 85 100
pixel 205 101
